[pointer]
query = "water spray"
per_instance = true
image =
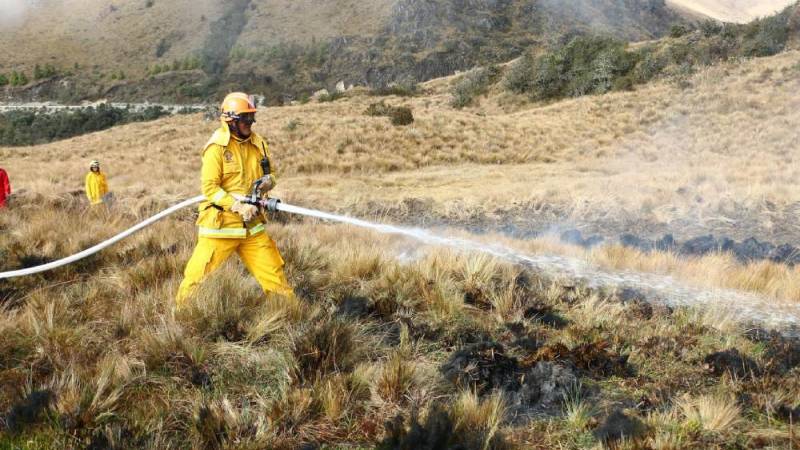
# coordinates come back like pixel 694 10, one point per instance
pixel 739 306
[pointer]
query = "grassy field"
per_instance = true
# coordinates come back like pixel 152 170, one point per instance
pixel 475 351
pixel 398 345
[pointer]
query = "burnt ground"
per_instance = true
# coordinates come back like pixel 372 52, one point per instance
pixel 745 236
pixel 748 250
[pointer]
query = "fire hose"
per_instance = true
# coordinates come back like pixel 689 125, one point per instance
pixel 270 205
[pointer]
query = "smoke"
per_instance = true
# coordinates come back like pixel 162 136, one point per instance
pixel 624 19
pixel 739 306
pixel 13 13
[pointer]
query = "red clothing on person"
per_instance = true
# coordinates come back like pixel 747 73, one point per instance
pixel 5 187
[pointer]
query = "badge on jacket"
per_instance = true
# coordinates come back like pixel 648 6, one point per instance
pixel 228 156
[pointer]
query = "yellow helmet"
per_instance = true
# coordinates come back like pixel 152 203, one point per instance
pixel 94 163
pixel 236 104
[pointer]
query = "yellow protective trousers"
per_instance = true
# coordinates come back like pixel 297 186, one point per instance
pixel 258 252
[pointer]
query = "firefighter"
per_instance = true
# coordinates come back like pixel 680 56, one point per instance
pixel 233 159
pixel 96 184
pixel 5 188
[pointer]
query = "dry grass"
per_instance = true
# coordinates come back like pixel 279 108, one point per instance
pixel 710 413
pixel 712 158
pixel 93 354
pixel 236 370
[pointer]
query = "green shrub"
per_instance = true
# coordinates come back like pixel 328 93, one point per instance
pixel 679 52
pixel 18 78
pixel 3 79
pixel 766 37
pixel 472 84
pixel 595 65
pixel 651 64
pixel 585 65
pixel 29 127
pixel 401 89
pixel 401 116
pixel 292 125
pixel 677 31
pixel 330 97
pixel 519 78
pixel 715 48
pixel 46 71
pixel 710 28
pixel 378 109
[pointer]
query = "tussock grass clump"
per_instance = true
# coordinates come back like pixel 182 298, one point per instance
pixel 396 378
pixel 398 115
pixel 711 413
pixel 217 424
pixel 169 348
pixel 325 346
pixel 225 306
pixel 470 424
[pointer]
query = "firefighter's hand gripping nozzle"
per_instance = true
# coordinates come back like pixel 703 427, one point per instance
pixel 264 184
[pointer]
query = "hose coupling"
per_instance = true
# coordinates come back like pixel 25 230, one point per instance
pixel 272 205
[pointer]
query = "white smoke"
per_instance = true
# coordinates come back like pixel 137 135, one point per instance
pixel 13 13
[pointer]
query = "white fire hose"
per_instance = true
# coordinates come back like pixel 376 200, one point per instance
pixel 102 245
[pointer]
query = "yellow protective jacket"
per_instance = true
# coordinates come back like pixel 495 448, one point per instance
pixel 96 187
pixel 230 166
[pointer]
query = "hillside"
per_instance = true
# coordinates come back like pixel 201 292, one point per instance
pixel 738 11
pixel 667 158
pixel 393 344
pixel 156 50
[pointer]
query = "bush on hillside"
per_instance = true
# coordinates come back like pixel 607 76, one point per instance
pixel 42 72
pixel 584 65
pixel 408 88
pixel 677 31
pixel 472 84
pixel 398 115
pixel 710 28
pixel 29 127
pixel 17 78
pixel 595 65
pixel 766 37
pixel 330 97
pixel 379 109
pixel 519 78
pixel 401 116
pixel 651 64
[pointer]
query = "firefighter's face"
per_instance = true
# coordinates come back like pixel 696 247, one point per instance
pixel 245 124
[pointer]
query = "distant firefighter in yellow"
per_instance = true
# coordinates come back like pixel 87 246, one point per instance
pixel 233 160
pixel 96 184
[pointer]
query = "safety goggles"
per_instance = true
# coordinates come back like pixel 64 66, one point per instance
pixel 248 118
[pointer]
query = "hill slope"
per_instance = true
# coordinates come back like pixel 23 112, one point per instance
pixel 284 46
